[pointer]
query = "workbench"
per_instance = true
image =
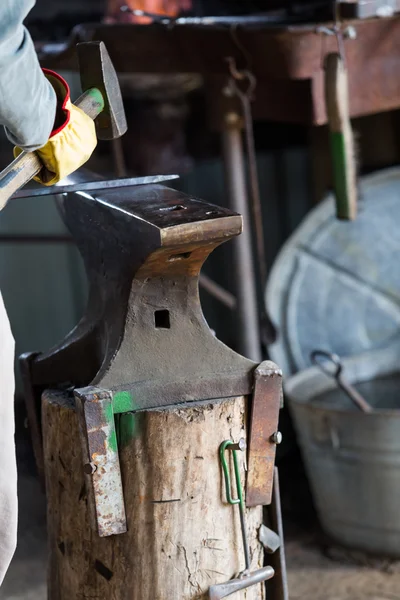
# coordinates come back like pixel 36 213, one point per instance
pixel 287 62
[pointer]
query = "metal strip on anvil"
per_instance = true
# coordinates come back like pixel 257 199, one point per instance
pixel 92 186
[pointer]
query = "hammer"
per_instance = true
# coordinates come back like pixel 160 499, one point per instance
pixel 101 101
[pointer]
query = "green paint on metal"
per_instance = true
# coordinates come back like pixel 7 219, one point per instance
pixel 97 97
pixel 112 441
pixel 123 402
pixel 108 411
pixel 109 417
pixel 339 160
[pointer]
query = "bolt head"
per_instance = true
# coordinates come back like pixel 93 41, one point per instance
pixel 242 444
pixel 276 438
pixel 89 468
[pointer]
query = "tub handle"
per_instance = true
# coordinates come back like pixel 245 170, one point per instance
pixel 322 359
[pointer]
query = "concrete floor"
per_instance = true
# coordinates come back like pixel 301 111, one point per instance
pixel 314 574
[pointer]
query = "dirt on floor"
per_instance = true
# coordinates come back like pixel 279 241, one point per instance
pixel 318 570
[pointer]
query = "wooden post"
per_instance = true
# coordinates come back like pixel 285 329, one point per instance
pixel 182 535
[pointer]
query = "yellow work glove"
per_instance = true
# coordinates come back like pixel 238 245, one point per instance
pixel 72 140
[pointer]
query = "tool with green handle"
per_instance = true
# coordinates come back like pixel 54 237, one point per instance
pixel 246 578
pixel 341 137
pixel 101 100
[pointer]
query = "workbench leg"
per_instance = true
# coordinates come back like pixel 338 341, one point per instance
pixel 246 288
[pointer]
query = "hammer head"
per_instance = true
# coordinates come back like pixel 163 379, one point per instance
pixel 97 71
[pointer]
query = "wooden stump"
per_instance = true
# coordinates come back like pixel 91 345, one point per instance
pixel 182 535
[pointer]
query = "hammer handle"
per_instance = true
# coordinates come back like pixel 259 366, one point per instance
pixel 341 137
pixel 28 164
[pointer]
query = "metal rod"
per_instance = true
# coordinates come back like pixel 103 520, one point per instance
pixel 241 506
pixel 99 185
pixel 246 96
pixel 216 290
pixel 280 589
pixel 248 327
pixel 280 17
pixel 222 590
pixel 244 536
pixel 354 396
pixel 245 578
pixel 241 446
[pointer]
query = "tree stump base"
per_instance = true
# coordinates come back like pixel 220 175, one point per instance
pixel 182 535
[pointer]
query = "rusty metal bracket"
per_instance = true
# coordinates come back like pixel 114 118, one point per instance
pixel 264 434
pixel 101 460
pixel 143 341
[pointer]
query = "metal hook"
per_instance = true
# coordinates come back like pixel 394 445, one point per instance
pixel 241 75
pixel 350 390
pixel 246 55
pixel 334 359
pixel 337 31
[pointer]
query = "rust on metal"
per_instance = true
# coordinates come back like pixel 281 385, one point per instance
pixel 101 460
pixel 266 402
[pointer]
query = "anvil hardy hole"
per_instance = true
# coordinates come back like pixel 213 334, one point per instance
pixel 161 319
pixel 180 256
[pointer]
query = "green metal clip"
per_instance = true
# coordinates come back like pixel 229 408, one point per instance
pixel 228 445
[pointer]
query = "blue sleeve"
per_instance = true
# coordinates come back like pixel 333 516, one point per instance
pixel 27 100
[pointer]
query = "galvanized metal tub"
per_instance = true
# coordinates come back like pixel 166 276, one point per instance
pixel 353 459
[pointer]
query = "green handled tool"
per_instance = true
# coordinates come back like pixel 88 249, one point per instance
pixel 101 100
pixel 245 579
pixel 341 137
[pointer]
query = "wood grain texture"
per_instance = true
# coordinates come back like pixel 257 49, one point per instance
pixel 17 174
pixel 182 536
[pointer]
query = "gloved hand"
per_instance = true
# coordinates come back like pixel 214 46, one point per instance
pixel 72 140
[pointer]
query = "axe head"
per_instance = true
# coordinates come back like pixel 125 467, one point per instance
pixel 97 71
